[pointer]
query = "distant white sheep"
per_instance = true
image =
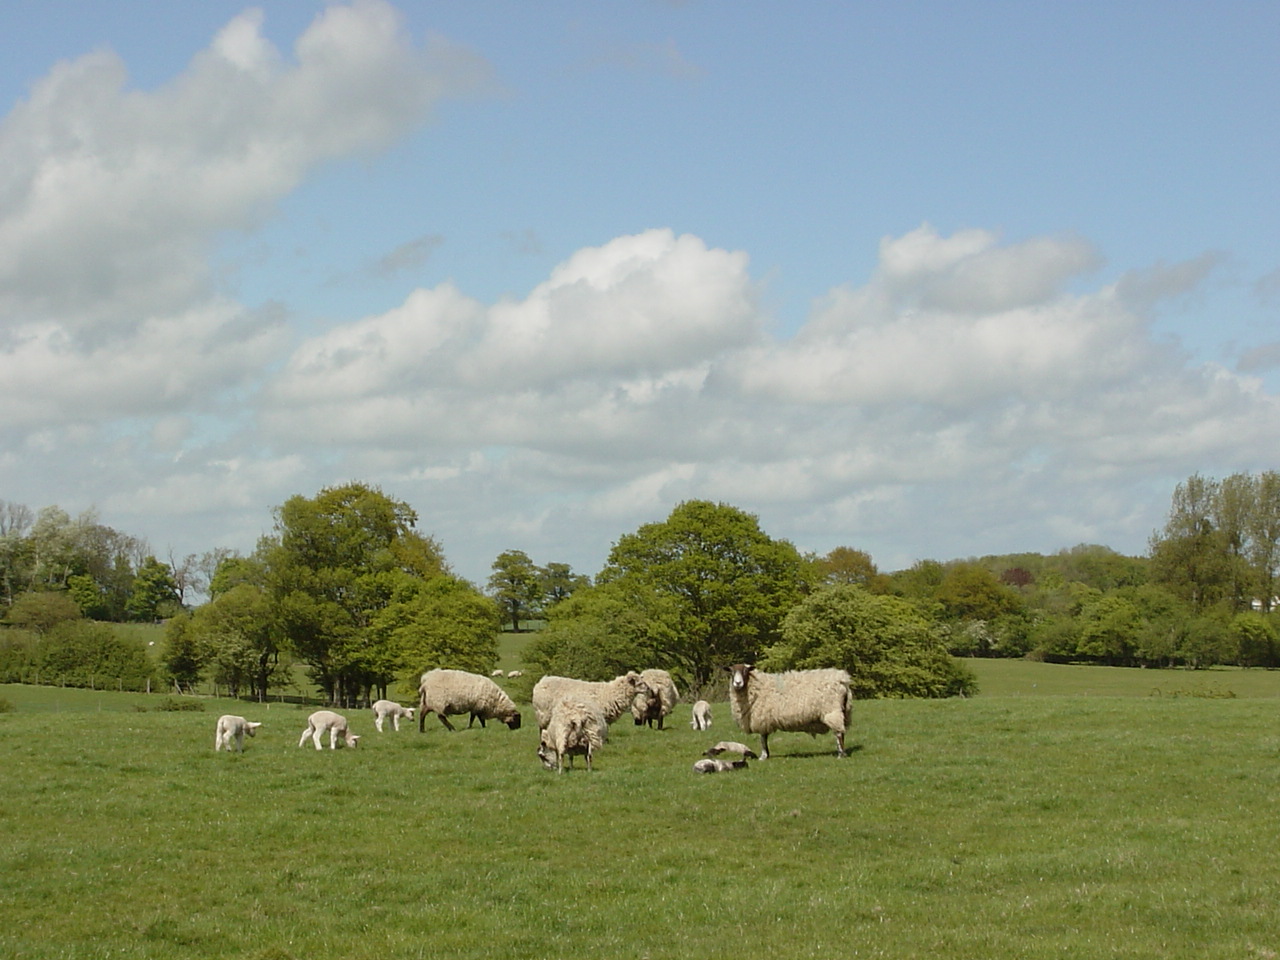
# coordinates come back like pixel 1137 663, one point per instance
pixel 496 673
pixel 575 728
pixel 232 728
pixel 334 723
pixel 731 746
pixel 512 674
pixel 701 716
pixel 613 696
pixel 718 766
pixel 798 701
pixel 648 709
pixel 448 693
pixel 389 709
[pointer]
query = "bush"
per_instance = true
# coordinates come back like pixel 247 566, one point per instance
pixel 6 706
pixel 172 705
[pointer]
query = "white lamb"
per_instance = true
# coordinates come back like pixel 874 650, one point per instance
pixel 450 692
pixel 496 673
pixel 334 723
pixel 233 728
pixel 731 746
pixel 613 696
pixel 512 674
pixel 389 709
pixel 800 701
pixel 718 766
pixel 701 716
pixel 648 709
pixel 576 728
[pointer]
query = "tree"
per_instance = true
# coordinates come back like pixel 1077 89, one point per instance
pixel 557 581
pixel 154 595
pixel 516 584
pixel 971 592
pixel 182 658
pixel 888 647
pixel 847 565
pixel 43 610
pixel 1189 555
pixel 442 621
pixel 731 583
pixel 239 634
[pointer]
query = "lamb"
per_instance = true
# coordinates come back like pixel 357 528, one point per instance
pixel 613 696
pixel 449 692
pixel 799 701
pixel 389 709
pixel 512 674
pixel 718 766
pixel 496 673
pixel 649 709
pixel 231 728
pixel 731 746
pixel 335 723
pixel 576 728
pixel 701 716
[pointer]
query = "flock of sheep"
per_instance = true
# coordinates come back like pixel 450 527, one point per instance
pixel 574 715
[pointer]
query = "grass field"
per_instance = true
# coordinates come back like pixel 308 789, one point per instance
pixel 1064 812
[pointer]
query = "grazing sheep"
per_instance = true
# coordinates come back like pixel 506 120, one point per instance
pixel 512 674
pixel 718 766
pixel 447 693
pixel 496 673
pixel 614 696
pixel 384 709
pixel 798 701
pixel 335 723
pixel 648 709
pixel 731 746
pixel 701 716
pixel 576 728
pixel 231 728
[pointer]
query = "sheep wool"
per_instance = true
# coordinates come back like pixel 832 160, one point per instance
pixel 575 728
pixel 701 719
pixel 447 693
pixel 646 710
pixel 798 701
pixel 613 696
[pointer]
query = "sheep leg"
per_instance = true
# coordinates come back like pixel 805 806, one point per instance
pixel 395 722
pixel 305 733
pixel 377 722
pixel 764 746
pixel 840 744
pixel 445 720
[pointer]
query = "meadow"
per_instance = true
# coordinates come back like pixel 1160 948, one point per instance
pixel 1065 811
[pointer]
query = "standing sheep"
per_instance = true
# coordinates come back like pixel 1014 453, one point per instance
pixel 576 728
pixel 798 701
pixel 701 716
pixel 648 709
pixel 613 696
pixel 384 709
pixel 447 693
pixel 335 723
pixel 233 728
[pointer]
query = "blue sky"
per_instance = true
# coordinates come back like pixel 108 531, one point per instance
pixel 929 280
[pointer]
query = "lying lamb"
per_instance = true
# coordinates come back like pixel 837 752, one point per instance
pixel 718 766
pixel 384 709
pixel 335 723
pixel 613 696
pixel 575 728
pixel 648 709
pixel 731 746
pixel 230 728
pixel 701 716
pixel 447 693
pixel 800 701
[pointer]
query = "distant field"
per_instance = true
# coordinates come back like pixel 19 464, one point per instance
pixel 1064 812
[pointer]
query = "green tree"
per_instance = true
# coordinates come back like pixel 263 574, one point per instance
pixel 1255 639
pixel 1189 555
pixel 969 591
pixel 183 657
pixel 1110 630
pixel 240 637
pixel 731 583
pixel 516 584
pixel 557 581
pixel 888 647
pixel 154 595
pixel 442 621
pixel 43 610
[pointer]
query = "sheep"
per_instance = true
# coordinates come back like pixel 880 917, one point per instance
pixel 384 709
pixel 496 673
pixel 449 692
pixel 718 766
pixel 731 746
pixel 576 728
pixel 512 674
pixel 648 709
pixel 799 701
pixel 335 723
pixel 231 728
pixel 701 716
pixel 614 696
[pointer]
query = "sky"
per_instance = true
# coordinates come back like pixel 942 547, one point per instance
pixel 929 280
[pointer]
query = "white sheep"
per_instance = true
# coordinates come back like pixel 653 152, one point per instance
pixel 614 696
pixel 450 692
pixel 512 674
pixel 233 728
pixel 718 766
pixel 496 673
pixel 648 709
pixel 701 716
pixel 334 723
pixel 576 728
pixel 389 709
pixel 731 746
pixel 798 701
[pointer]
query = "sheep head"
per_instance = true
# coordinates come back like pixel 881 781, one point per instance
pixel 251 728
pixel 741 673
pixel 512 721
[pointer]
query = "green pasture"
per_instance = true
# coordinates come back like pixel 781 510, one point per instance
pixel 1063 812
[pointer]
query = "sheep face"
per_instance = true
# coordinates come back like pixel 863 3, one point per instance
pixel 741 673
pixel 513 721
